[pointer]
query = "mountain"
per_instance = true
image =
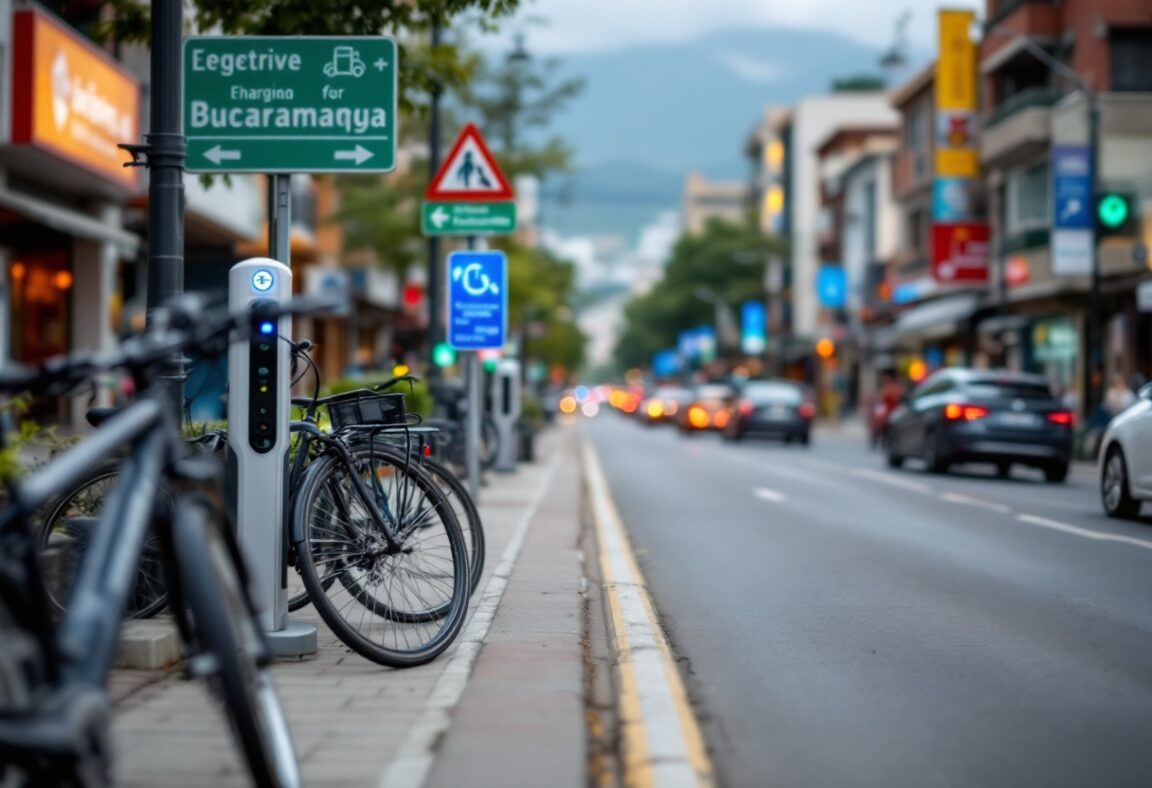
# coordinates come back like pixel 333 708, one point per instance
pixel 651 113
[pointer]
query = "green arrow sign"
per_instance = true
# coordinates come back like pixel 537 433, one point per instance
pixel 469 218
pixel 290 104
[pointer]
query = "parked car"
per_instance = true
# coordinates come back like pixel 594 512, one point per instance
pixel 1126 459
pixel 777 408
pixel 964 415
pixel 665 404
pixel 707 410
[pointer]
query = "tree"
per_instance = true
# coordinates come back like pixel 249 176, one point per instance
pixel 729 259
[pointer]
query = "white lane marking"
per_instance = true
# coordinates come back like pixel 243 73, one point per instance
pixel 764 494
pixel 413 761
pixel 1056 525
pixel 980 503
pixel 894 480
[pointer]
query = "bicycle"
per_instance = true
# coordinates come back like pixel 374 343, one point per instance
pixel 54 706
pixel 412 493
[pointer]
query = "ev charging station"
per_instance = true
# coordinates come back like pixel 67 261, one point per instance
pixel 506 412
pixel 258 438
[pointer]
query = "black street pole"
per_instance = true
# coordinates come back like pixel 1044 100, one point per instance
pixel 1093 360
pixel 166 153
pixel 435 332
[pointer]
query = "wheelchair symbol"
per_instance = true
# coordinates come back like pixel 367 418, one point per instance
pixel 474 280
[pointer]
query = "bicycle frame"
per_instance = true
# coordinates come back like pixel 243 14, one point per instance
pixel 85 642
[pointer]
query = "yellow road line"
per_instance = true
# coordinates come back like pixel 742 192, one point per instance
pixel 647 688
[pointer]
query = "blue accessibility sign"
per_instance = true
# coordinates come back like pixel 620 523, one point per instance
pixel 477 300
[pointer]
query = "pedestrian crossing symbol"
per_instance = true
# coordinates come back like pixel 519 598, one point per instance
pixel 469 173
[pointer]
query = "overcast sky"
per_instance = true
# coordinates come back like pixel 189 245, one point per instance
pixel 585 25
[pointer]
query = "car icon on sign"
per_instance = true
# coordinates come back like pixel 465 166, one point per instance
pixel 345 62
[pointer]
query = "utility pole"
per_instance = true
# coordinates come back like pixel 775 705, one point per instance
pixel 1093 337
pixel 165 150
pixel 435 285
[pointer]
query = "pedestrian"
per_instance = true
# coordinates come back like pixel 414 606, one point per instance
pixel 1119 397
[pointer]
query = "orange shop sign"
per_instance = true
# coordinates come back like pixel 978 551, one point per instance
pixel 70 99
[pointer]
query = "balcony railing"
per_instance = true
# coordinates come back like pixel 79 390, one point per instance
pixel 1025 99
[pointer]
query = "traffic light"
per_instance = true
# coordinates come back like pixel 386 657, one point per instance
pixel 443 355
pixel 1114 214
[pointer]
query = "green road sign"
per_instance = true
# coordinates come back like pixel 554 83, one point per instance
pixel 290 103
pixel 1113 210
pixel 469 218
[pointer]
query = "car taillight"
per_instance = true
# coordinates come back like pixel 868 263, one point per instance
pixel 1062 417
pixel 746 407
pixel 955 412
pixel 655 409
pixel 806 410
pixel 698 417
pixel 721 419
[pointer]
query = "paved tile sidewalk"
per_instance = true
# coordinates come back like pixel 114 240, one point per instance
pixel 351 718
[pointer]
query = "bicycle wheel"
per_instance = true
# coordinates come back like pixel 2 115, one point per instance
pixel 465 510
pixel 397 607
pixel 66 532
pixel 223 627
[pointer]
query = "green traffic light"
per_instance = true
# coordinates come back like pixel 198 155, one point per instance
pixel 443 355
pixel 1112 210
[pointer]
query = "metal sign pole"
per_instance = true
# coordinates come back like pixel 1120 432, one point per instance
pixel 475 405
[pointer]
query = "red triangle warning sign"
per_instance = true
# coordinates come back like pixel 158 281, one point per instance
pixel 469 173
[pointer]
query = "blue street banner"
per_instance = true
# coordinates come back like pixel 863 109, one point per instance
pixel 753 327
pixel 477 300
pixel 832 286
pixel 1071 187
pixel 952 199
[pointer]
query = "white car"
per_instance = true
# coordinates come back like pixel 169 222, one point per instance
pixel 1126 459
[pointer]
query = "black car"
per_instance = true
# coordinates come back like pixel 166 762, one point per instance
pixel 777 408
pixel 966 415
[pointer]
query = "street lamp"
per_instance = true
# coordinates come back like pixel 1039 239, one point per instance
pixel 725 322
pixel 1092 338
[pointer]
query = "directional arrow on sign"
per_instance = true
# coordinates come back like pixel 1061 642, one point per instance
pixel 216 154
pixel 359 155
pixel 439 216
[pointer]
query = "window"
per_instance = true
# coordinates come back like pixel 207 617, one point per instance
pixel 1028 198
pixel 914 129
pixel 1131 60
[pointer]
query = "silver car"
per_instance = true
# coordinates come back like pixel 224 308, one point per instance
pixel 1126 459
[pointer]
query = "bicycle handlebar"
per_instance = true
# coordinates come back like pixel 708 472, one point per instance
pixel 395 382
pixel 180 326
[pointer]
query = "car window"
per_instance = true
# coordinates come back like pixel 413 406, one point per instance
pixel 762 393
pixel 933 387
pixel 1008 389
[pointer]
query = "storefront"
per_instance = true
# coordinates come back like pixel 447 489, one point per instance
pixel 63 249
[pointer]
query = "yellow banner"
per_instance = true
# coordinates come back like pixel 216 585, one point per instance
pixel 956 65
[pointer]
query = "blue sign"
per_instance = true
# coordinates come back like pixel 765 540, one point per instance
pixel 753 327
pixel 477 300
pixel 1071 187
pixel 952 199
pixel 832 286
pixel 665 363
pixel 706 343
pixel 687 345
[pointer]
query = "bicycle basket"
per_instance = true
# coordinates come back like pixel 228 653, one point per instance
pixel 364 406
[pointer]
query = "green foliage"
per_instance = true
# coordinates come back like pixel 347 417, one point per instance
pixel 383 216
pixel 728 258
pixel 29 443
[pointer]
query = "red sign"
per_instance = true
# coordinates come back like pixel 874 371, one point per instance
pixel 960 252
pixel 469 173
pixel 71 99
pixel 1016 271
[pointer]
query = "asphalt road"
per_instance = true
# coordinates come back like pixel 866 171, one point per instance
pixel 843 624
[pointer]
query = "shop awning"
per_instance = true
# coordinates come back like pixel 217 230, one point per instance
pixel 936 319
pixel 71 222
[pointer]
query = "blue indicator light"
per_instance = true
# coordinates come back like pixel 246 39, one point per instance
pixel 267 328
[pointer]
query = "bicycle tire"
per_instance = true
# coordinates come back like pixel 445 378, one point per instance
pixel 224 628
pixel 63 537
pixel 466 512
pixel 338 543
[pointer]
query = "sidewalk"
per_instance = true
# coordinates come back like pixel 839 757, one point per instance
pixel 503 707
